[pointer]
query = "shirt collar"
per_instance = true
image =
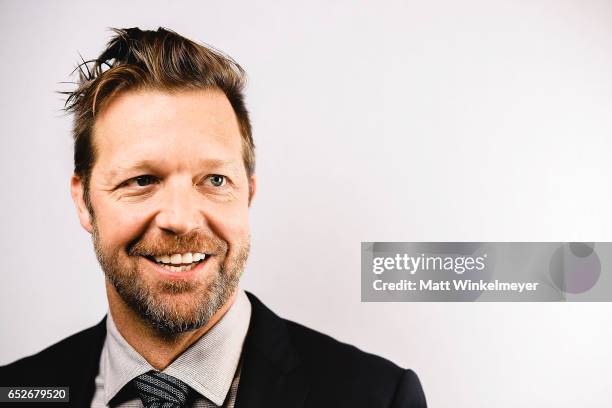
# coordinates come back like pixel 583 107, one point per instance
pixel 208 366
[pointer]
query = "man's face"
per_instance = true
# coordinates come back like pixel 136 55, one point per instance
pixel 169 187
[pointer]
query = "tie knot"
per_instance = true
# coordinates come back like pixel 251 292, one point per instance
pixel 159 390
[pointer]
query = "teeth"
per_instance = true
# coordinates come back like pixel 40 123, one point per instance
pixel 173 268
pixel 178 259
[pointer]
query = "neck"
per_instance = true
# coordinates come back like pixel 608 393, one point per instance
pixel 157 349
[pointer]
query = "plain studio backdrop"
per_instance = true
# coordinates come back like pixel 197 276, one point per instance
pixel 374 121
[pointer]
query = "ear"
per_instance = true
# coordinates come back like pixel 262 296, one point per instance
pixel 77 190
pixel 252 188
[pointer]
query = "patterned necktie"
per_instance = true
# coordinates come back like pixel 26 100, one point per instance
pixel 159 390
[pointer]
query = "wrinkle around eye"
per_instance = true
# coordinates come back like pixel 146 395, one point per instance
pixel 129 190
pixel 226 192
pixel 133 196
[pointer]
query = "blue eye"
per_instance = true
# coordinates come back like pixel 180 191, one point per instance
pixel 217 180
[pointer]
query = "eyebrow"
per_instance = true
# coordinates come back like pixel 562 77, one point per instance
pixel 148 165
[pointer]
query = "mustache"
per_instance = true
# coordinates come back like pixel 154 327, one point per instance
pixel 197 241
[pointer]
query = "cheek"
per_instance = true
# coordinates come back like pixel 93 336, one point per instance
pixel 231 224
pixel 118 226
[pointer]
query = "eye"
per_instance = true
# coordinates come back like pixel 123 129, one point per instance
pixel 144 181
pixel 140 181
pixel 217 180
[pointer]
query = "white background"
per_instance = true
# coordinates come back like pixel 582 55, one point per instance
pixel 374 121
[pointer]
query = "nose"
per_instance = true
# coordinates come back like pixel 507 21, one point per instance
pixel 180 211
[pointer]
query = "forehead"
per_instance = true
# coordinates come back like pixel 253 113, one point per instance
pixel 179 127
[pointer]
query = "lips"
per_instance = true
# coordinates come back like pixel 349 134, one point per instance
pixel 177 270
pixel 179 267
pixel 178 263
pixel 177 259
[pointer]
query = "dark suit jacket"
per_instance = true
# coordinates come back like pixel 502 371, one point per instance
pixel 286 365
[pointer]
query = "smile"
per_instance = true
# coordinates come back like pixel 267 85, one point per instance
pixel 179 262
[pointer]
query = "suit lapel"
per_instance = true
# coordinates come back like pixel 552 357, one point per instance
pixel 271 374
pixel 86 354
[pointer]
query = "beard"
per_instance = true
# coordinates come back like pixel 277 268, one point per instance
pixel 173 306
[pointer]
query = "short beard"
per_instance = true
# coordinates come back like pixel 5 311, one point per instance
pixel 168 317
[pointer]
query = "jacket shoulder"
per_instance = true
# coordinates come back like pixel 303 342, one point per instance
pixel 57 362
pixel 350 373
pixel 323 350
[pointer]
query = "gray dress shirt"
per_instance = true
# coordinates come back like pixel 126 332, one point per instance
pixel 211 366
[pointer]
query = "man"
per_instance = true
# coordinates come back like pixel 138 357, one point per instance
pixel 164 177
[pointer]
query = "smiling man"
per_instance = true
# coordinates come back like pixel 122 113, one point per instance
pixel 164 177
